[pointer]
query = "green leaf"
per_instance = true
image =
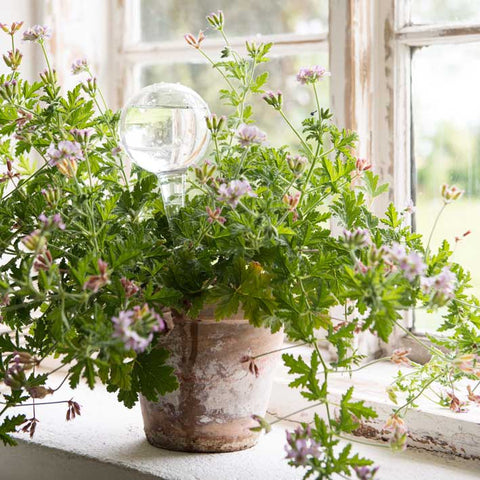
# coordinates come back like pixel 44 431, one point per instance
pixel 8 426
pixel 151 377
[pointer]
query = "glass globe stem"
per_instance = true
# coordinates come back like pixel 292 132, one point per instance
pixel 173 187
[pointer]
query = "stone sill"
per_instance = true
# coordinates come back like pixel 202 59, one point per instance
pixel 431 427
pixel 107 441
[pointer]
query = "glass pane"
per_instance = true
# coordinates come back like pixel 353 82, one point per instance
pixel 446 120
pixel 162 20
pixel 444 11
pixel 298 99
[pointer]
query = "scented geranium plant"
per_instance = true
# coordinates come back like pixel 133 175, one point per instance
pixel 90 267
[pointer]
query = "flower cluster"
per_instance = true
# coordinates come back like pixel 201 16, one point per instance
pixel 358 238
pixel 49 223
pixel 234 191
pixel 366 472
pixel 37 33
pixel 80 65
pixel 273 99
pixel 13 59
pixel 440 287
pixel 411 263
pixel 451 193
pixel 292 203
pixel 65 156
pixel 250 134
pixel 216 20
pixel 215 123
pixel 12 29
pixel 399 433
pixel 135 328
pixel 301 446
pixel 312 74
pixel 296 163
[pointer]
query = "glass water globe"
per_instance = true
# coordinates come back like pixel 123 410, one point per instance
pixel 163 130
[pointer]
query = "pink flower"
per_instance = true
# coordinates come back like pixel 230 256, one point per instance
pixel 362 165
pixel 249 134
pixel 52 222
pixel 65 156
pixel 44 261
pixel 456 405
pixel 301 446
pixel 312 74
pixel 292 202
pixel 472 397
pixel 232 192
pixel 37 33
pixel 80 65
pixel 195 41
pixel 129 287
pixel 128 324
pixel 411 263
pixel 214 215
pixel 468 363
pixel 366 473
pixel 399 357
pixel 394 422
pixel 441 286
pixel 96 282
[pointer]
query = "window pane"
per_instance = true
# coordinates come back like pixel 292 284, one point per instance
pixel 446 120
pixel 162 20
pixel 298 99
pixel 445 11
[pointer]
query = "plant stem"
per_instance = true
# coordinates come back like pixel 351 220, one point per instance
pixel 294 130
pixel 433 228
pixel 214 65
pixel 406 404
pixel 42 44
pixel 279 350
pixel 432 350
pixel 286 417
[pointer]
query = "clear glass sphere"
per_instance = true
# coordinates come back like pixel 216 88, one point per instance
pixel 163 128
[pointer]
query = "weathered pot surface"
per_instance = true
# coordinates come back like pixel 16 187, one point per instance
pixel 211 410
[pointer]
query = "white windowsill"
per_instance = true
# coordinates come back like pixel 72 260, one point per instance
pixel 107 441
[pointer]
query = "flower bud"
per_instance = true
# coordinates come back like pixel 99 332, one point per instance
pixel 35 241
pixel 49 77
pixel 297 164
pixel 274 99
pixel 51 195
pixel 214 123
pixel 451 193
pixel 216 20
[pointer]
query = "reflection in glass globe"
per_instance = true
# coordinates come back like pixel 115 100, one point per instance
pixel 163 130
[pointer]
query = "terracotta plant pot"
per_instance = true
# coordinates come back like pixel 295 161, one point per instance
pixel 211 410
